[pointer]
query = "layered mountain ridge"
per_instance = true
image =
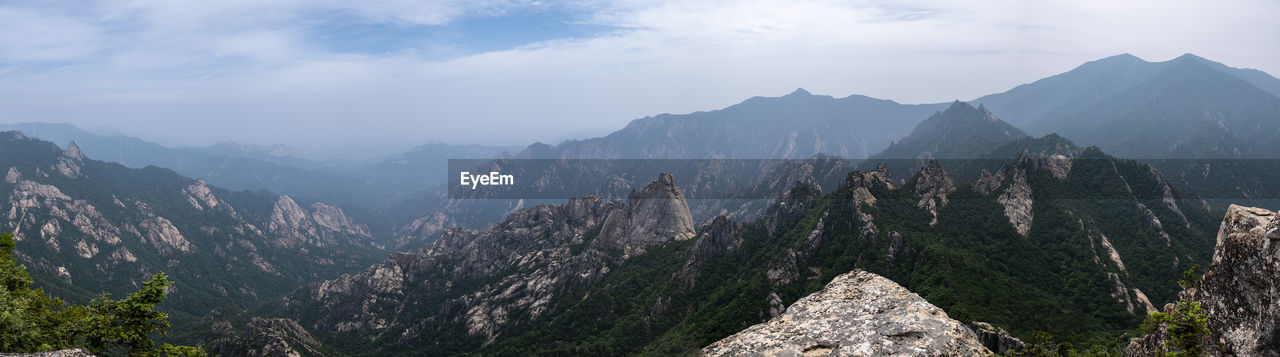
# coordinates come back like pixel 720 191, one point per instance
pixel 584 285
pixel 84 227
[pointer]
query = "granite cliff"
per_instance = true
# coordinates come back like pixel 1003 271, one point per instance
pixel 1238 290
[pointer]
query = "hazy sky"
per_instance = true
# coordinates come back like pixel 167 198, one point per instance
pixel 395 72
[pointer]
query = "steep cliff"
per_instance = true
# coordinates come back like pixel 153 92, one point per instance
pixel 1238 290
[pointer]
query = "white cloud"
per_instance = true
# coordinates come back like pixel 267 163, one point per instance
pixel 202 71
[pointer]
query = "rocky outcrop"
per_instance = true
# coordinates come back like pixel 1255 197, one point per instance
pixel 896 248
pixel 13 175
pixel 199 196
pixel 988 182
pixel 1018 203
pixel 164 236
pixel 861 183
pixel 857 314
pixel 656 214
pixel 933 187
pixel 1058 165
pixel 325 225
pixel 1238 290
pixel 332 218
pixel 70 162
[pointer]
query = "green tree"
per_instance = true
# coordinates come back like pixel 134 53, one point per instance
pixel 1186 326
pixel 1189 277
pixel 30 321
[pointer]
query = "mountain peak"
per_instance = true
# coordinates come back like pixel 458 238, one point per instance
pixel 1189 57
pixel 73 151
pixel 800 92
pixel 961 107
pixel 1122 58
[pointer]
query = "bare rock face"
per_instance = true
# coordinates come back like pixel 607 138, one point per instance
pixel 1058 165
pixel 163 235
pixel 199 195
pixel 323 226
pixel 1239 290
pixel 933 187
pixel 656 214
pixel 988 182
pixel 857 314
pixel 896 248
pixel 69 164
pixel 1017 203
pixel 862 183
pixel 288 219
pixel 334 219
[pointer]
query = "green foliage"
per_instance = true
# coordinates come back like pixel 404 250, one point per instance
pixel 1186 326
pixel 1189 277
pixel 32 322
pixel 29 320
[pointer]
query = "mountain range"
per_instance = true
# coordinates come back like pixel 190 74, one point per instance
pixel 1070 205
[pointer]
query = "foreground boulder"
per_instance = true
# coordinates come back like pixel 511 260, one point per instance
pixel 857 314
pixel 1238 291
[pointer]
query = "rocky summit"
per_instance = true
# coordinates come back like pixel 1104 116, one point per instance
pixel 857 314
pixel 1238 291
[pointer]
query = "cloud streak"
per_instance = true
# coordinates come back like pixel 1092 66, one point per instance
pixel 196 72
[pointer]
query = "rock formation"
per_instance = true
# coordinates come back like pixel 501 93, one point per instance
pixel 857 314
pixel 933 187
pixel 1017 203
pixel 656 214
pixel 1238 290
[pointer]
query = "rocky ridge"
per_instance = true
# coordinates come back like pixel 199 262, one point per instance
pixel 104 228
pixel 932 188
pixel 488 279
pixel 276 337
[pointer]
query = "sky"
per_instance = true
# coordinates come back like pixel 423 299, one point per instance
pixel 329 74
